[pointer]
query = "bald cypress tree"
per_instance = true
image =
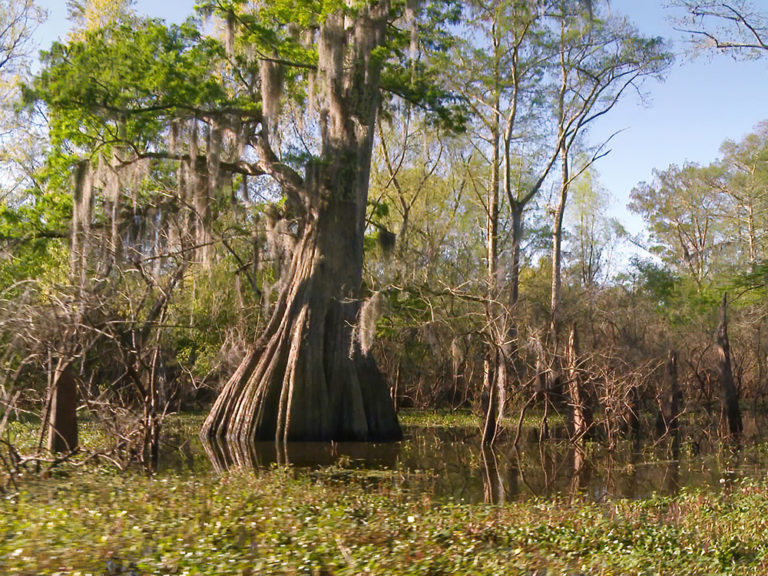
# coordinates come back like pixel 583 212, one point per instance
pixel 309 377
pixel 216 105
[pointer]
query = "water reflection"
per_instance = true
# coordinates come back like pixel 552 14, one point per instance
pixel 451 464
pixel 225 455
pixel 494 489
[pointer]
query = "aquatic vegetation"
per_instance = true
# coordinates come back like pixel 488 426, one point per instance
pixel 283 521
pixel 412 516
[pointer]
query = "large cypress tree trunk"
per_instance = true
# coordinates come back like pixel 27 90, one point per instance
pixel 308 377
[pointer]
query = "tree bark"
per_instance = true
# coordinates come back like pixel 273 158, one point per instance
pixel 62 428
pixel 565 179
pixel 557 253
pixel 517 242
pixel 671 398
pixel 82 209
pixel 729 394
pixel 495 370
pixel 308 377
pixel 581 411
pixel 495 383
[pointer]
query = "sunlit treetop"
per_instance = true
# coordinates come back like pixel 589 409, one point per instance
pixel 135 71
pixel 286 33
pixel 94 14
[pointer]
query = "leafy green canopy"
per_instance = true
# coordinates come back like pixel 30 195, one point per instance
pixel 136 73
pixel 124 83
pixel 121 87
pixel 284 32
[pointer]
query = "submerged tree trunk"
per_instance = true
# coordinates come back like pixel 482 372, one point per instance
pixel 309 377
pixel 729 394
pixel 493 481
pixel 495 384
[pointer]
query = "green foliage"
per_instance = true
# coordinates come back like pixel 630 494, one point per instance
pixel 35 233
pixel 677 298
pixel 659 283
pixel 421 85
pixel 706 223
pixel 439 419
pixel 210 316
pixel 118 82
pixel 683 209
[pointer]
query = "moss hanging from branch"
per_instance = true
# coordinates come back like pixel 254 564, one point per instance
pixel 213 157
pixel 308 41
pixel 370 314
pixel 197 197
pixel 281 241
pixel 411 9
pixel 229 35
pixel 112 192
pixel 173 138
pixel 271 75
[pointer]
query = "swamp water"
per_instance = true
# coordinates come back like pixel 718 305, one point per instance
pixel 451 465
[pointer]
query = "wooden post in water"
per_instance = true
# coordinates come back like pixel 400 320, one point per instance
pixel 729 394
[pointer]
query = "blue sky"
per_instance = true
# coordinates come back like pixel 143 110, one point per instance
pixel 57 25
pixel 685 118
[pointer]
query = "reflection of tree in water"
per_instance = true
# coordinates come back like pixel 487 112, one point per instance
pixel 581 473
pixel 494 491
pixel 730 459
pixel 227 455
pixel 493 487
pixel 450 459
pixel 672 469
pixel 544 468
pixel 452 465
